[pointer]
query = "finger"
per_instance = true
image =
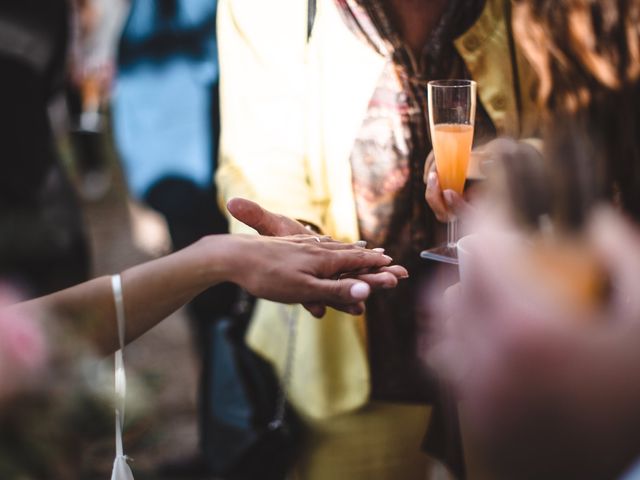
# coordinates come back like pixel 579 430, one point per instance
pixel 347 260
pixel 325 242
pixel 429 166
pixel 433 196
pixel 264 221
pixel 456 204
pixel 308 238
pixel 253 215
pixel 397 270
pixel 341 292
pixel 384 280
pixel 316 309
pixel 336 245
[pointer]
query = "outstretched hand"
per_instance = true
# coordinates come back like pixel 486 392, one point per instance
pixel 272 224
pixel 299 269
pixel 263 221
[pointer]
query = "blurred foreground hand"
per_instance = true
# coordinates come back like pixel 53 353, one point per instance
pixel 549 388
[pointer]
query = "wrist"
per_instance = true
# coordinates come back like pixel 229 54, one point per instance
pixel 223 257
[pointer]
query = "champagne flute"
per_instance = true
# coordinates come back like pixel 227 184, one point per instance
pixel 452 112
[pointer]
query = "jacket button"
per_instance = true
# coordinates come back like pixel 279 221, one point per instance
pixel 471 43
pixel 499 102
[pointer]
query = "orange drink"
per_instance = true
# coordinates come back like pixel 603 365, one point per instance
pixel 452 114
pixel 452 149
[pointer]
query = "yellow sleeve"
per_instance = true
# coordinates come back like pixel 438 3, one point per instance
pixel 263 106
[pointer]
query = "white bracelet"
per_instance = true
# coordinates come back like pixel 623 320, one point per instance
pixel 120 467
pixel 116 286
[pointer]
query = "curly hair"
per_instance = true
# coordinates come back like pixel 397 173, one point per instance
pixel 580 48
pixel 586 54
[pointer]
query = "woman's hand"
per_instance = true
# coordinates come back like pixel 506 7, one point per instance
pixel 263 221
pixel 445 205
pixel 271 224
pixel 302 269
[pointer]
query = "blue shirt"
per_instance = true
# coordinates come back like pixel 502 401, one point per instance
pixel 163 97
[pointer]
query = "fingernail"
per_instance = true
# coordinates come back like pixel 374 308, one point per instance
pixel 389 286
pixel 361 243
pixel 404 277
pixel 448 197
pixel 388 258
pixel 378 250
pixel 432 179
pixel 360 291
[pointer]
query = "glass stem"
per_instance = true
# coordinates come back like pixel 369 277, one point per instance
pixel 452 233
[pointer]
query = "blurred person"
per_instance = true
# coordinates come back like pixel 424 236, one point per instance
pixel 166 123
pixel 544 354
pixel 332 132
pixel 548 383
pixel 95 29
pixel 42 238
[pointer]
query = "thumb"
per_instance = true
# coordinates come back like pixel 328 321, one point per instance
pixel 253 215
pixel 456 203
pixel 343 291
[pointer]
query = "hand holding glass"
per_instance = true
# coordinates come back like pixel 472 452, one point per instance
pixel 452 112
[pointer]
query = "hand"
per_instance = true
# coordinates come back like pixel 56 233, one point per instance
pixel 272 224
pixel 300 269
pixel 445 205
pixel 263 221
pixel 545 389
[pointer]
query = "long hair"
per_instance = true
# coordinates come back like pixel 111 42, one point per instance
pixel 586 54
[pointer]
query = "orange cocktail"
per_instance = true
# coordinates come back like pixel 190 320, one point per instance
pixel 452 149
pixel 452 113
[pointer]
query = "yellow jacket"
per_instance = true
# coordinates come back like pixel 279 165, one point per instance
pixel 290 114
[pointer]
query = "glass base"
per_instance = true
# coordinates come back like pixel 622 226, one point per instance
pixel 443 254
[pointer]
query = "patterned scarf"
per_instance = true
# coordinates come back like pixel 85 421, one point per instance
pixel 387 162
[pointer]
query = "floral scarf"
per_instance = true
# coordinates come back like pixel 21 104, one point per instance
pixel 387 162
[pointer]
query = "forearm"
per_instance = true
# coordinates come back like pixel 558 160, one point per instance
pixel 151 292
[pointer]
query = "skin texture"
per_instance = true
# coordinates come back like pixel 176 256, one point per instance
pixel 271 224
pixel 292 269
